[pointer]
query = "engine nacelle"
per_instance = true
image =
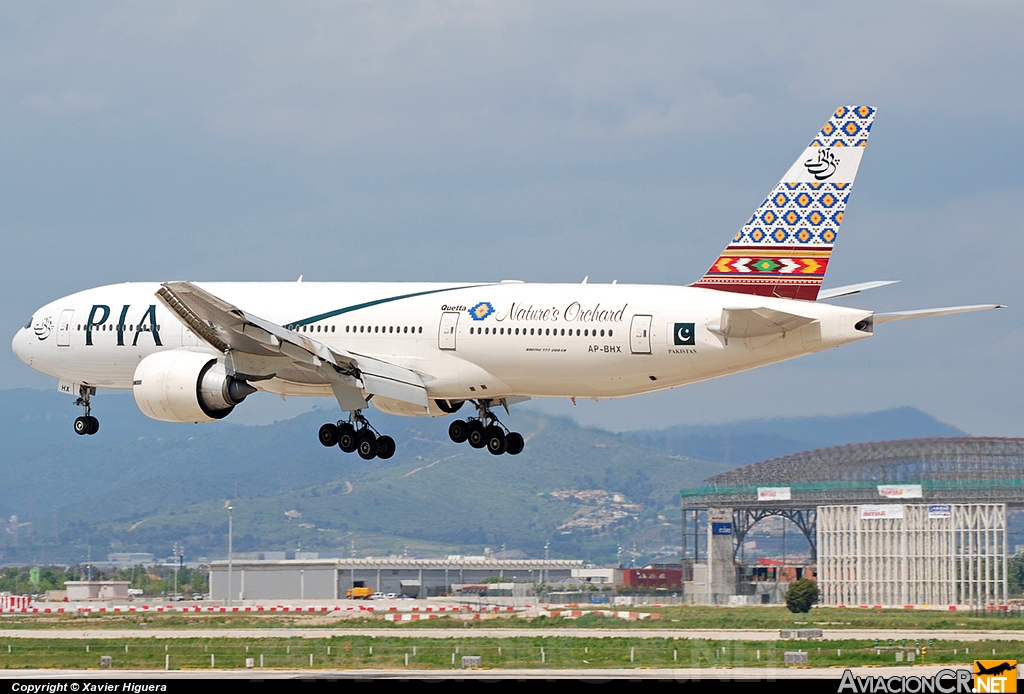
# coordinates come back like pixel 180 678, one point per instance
pixel 179 385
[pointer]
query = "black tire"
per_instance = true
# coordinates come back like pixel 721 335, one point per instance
pixel 515 443
pixel 496 442
pixel 347 438
pixel 94 425
pixel 366 444
pixel 328 435
pixel 477 434
pixel 82 426
pixel 385 447
pixel 458 431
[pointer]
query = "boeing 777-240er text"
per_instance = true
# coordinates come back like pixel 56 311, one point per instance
pixel 191 352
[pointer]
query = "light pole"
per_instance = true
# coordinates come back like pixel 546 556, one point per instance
pixel 174 595
pixel 231 517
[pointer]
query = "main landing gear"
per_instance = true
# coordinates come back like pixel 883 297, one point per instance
pixel 356 435
pixel 485 431
pixel 86 424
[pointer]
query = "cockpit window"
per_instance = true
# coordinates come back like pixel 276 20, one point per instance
pixel 29 324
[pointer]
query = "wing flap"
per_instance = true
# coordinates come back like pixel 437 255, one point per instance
pixel 228 328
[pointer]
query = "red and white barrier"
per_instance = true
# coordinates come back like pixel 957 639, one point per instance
pixel 24 607
pixel 15 602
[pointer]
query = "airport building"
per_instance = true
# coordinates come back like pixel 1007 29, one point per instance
pixel 329 579
pixel 915 522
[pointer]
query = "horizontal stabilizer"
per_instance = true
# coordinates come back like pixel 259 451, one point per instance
pixel 757 322
pixel 851 289
pixel 929 312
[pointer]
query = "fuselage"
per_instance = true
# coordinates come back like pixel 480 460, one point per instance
pixel 467 341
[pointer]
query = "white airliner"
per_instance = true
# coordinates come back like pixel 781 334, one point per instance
pixel 191 352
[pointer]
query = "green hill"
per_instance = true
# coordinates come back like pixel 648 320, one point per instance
pixel 142 485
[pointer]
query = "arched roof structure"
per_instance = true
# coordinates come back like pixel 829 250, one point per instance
pixel 949 470
pixel 892 462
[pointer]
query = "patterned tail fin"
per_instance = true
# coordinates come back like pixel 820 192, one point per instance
pixel 784 248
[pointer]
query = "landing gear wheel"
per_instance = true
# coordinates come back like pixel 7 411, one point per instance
pixel 86 424
pixel 496 442
pixel 329 435
pixel 366 444
pixel 458 431
pixel 477 434
pixel 347 438
pixel 515 443
pixel 385 447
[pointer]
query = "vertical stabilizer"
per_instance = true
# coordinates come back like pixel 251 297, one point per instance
pixel 784 248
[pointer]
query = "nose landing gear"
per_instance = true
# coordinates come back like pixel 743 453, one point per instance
pixel 86 424
pixel 356 435
pixel 486 431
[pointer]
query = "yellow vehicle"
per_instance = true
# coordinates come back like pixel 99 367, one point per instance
pixel 359 593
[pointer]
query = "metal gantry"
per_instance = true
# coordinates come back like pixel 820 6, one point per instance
pixel 914 559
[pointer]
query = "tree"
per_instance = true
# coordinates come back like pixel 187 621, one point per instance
pixel 802 595
pixel 1016 574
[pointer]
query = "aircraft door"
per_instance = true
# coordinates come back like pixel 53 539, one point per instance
pixel 640 335
pixel 446 333
pixel 64 327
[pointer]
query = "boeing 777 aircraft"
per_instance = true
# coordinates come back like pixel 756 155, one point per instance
pixel 191 352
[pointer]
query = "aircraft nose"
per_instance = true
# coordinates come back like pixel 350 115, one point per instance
pixel 20 345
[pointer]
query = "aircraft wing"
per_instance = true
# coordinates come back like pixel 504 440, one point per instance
pixel 928 312
pixel 757 322
pixel 261 346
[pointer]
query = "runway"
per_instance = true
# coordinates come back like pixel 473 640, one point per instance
pixel 709 675
pixel 470 633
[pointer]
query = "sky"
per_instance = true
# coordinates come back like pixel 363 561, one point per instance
pixel 542 141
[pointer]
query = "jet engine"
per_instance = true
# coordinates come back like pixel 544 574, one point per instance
pixel 183 386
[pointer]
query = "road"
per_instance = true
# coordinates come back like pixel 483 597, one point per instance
pixel 467 633
pixel 710 675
